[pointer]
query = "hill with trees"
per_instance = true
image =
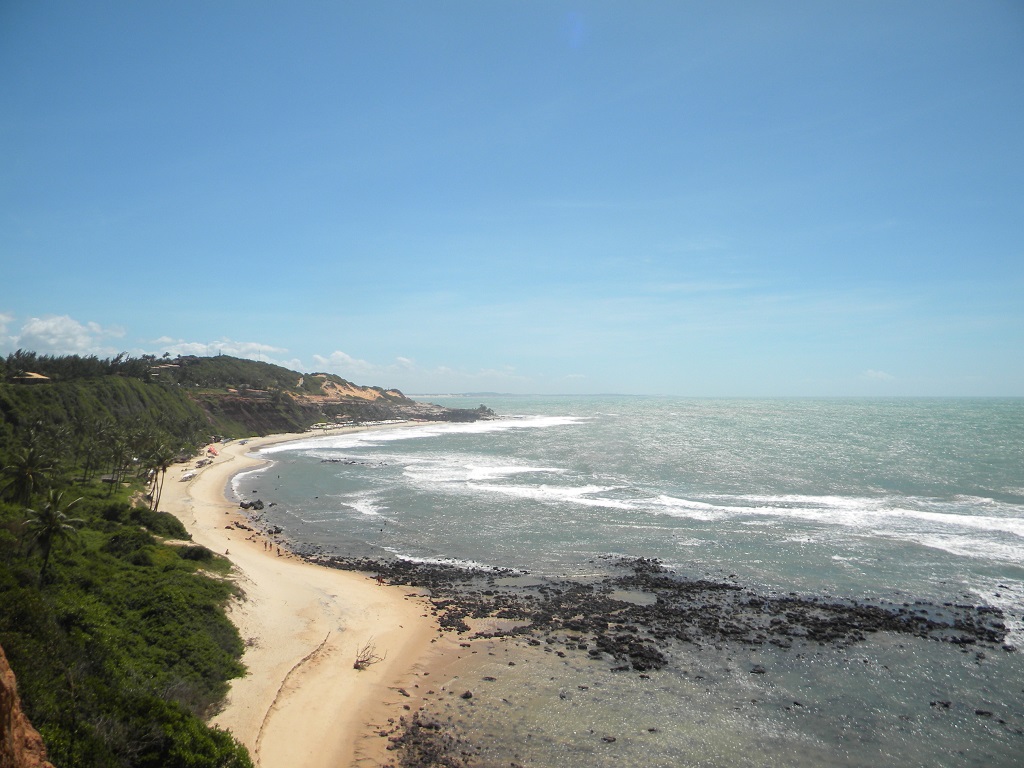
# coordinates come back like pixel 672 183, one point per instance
pixel 192 396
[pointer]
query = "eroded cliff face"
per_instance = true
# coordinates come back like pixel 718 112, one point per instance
pixel 21 746
pixel 261 414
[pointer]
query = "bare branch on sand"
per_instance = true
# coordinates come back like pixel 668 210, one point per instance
pixel 367 655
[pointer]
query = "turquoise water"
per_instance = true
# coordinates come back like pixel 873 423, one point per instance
pixel 869 499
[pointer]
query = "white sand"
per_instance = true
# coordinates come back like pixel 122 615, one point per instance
pixel 302 704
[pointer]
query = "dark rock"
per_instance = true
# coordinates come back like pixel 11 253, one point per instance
pixel 582 618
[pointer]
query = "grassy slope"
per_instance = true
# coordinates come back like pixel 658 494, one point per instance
pixel 125 648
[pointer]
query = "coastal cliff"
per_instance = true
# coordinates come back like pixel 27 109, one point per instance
pixel 199 396
pixel 21 746
pixel 253 397
pixel 319 399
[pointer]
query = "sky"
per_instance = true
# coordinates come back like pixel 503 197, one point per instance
pixel 683 198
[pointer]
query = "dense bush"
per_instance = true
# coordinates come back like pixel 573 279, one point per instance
pixel 127 541
pixel 73 367
pixel 224 371
pixel 80 404
pixel 196 553
pixel 161 523
pixel 123 653
pixel 123 649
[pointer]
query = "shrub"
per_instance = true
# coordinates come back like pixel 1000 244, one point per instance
pixel 141 557
pixel 115 512
pixel 127 542
pixel 195 552
pixel 161 523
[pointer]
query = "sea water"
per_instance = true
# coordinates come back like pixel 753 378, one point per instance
pixel 878 500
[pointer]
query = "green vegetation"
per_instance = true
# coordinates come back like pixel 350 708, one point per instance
pixel 187 398
pixel 224 372
pixel 71 367
pixel 119 641
pixel 122 648
pixel 80 415
pixel 50 525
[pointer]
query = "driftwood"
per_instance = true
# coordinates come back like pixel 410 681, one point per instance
pixel 367 655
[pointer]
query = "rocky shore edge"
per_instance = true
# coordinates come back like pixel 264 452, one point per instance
pixel 636 617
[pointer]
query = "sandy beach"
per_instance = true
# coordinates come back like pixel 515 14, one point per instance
pixel 622 661
pixel 302 704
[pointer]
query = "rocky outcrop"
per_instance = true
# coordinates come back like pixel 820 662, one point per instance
pixel 21 746
pixel 432 412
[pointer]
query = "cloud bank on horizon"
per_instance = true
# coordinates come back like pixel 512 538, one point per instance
pixel 702 200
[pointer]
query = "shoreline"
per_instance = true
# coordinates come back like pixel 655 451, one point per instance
pixel 301 703
pixel 532 669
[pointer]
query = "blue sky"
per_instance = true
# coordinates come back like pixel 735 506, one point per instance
pixel 711 199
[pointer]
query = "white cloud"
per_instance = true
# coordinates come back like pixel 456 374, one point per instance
pixel 345 365
pixel 874 375
pixel 251 350
pixel 63 335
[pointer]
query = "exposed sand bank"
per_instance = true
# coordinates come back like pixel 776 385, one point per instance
pixel 301 703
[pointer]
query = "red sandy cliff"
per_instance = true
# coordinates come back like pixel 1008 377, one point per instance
pixel 21 746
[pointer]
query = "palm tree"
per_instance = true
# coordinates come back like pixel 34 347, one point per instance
pixel 118 451
pixel 96 435
pixel 51 525
pixel 143 440
pixel 160 461
pixel 26 474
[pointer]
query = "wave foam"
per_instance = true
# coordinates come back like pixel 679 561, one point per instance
pixel 587 495
pixel 450 561
pixel 378 437
pixel 458 472
pixel 856 512
pixel 246 476
pixel 1008 596
pixel 364 504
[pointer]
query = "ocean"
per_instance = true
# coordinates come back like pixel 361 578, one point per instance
pixel 885 501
